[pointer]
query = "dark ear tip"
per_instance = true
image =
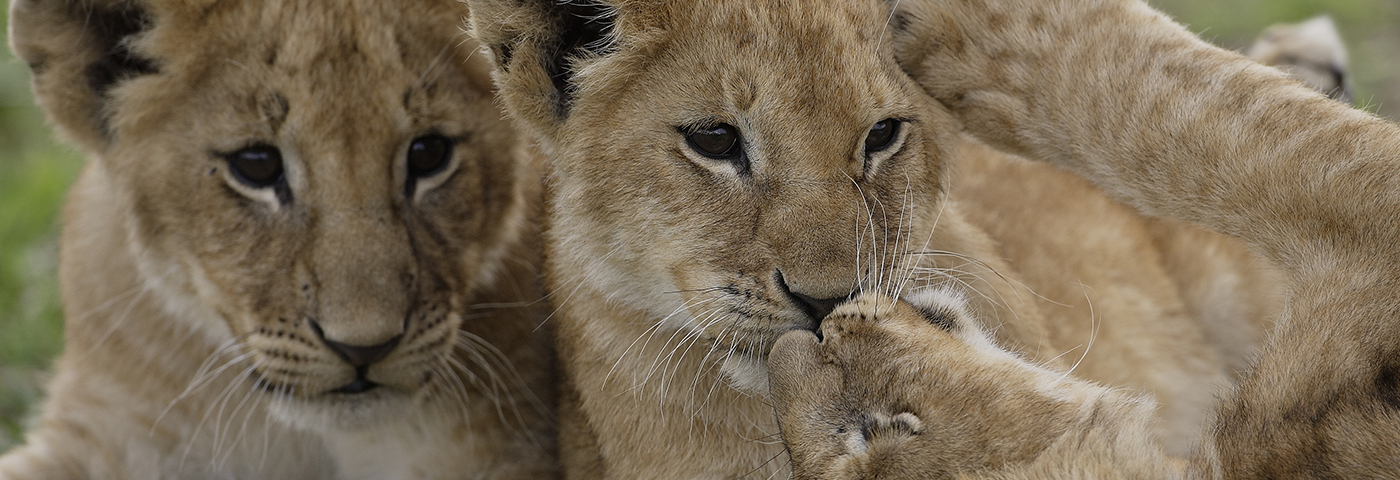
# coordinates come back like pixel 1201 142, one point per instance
pixel 77 50
pixel 37 63
pixel 583 27
pixel 503 53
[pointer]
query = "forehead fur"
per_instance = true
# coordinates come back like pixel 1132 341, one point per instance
pixel 733 63
pixel 820 31
pixel 270 52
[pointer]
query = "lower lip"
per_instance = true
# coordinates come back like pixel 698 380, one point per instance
pixel 358 386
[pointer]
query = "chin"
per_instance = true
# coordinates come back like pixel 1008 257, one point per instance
pixel 747 373
pixel 338 412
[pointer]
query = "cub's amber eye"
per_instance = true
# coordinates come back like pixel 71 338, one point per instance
pixel 720 142
pixel 428 155
pixel 881 136
pixel 259 166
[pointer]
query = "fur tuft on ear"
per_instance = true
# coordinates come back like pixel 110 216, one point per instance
pixel 78 51
pixel 583 31
pixel 536 46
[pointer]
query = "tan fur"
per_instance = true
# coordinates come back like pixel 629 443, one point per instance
pixel 1305 181
pixel 1311 51
pixel 1110 279
pixel 665 264
pixel 190 350
pixel 895 390
pixel 1118 93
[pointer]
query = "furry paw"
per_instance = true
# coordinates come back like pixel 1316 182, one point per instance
pixel 883 429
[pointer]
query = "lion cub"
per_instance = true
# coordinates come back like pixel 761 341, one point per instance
pixel 1117 93
pixel 723 172
pixel 300 248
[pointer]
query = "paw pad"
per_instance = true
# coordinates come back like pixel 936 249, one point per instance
pixel 902 424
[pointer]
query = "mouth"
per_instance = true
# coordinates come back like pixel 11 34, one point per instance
pixel 813 309
pixel 357 386
pixel 816 309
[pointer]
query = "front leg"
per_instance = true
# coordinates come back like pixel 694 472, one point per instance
pixel 829 432
pixel 1120 94
pixel 898 390
pixel 807 398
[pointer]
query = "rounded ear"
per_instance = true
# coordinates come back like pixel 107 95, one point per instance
pixel 535 45
pixel 78 50
pixel 1311 51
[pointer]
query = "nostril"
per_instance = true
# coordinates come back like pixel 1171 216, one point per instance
pixel 357 355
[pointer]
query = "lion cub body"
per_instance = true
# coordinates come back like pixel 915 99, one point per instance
pixel 676 270
pixel 351 313
pixel 1178 128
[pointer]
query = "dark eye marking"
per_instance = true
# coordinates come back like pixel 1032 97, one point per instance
pixel 260 167
pixel 1388 383
pixel 882 135
pixel 719 142
pixel 428 155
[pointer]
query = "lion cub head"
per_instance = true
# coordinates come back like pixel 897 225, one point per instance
pixel 735 183
pixel 313 186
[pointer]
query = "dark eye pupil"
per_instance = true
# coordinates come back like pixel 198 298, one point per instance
pixel 881 135
pixel 715 142
pixel 427 155
pixel 259 166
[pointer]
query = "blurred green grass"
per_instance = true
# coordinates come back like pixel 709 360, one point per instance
pixel 1370 28
pixel 35 171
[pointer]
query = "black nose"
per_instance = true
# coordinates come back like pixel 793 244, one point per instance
pixel 363 356
pixel 817 308
pixel 358 355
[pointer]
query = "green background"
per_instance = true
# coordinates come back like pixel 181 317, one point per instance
pixel 35 170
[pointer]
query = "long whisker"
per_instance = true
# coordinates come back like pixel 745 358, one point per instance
pixel 880 39
pixel 507 368
pixel 682 346
pixel 219 402
pixel 203 375
pixel 652 328
pixel 119 322
pixel 1093 332
pixel 684 333
pixel 579 280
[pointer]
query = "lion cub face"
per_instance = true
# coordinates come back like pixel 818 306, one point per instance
pixel 314 185
pixel 736 183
